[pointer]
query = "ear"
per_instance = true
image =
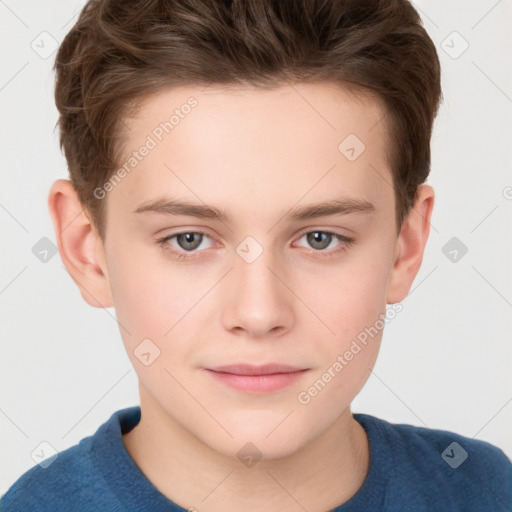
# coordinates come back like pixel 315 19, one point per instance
pixel 410 245
pixel 80 246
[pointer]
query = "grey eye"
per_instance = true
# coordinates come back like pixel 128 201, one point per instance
pixel 186 240
pixel 319 239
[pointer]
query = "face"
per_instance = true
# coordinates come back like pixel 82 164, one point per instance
pixel 244 309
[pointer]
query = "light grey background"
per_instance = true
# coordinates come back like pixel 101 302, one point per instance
pixel 446 358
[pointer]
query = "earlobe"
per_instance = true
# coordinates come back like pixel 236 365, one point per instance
pixel 78 244
pixel 411 245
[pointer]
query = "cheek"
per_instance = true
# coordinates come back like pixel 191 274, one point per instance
pixel 148 299
pixel 146 291
pixel 354 308
pixel 354 296
pixel 141 297
pixel 333 388
pixel 157 301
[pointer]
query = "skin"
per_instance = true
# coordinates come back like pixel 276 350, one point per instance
pixel 257 154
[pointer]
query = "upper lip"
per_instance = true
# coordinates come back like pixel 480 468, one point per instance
pixel 251 369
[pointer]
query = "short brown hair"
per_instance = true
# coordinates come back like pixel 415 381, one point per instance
pixel 120 51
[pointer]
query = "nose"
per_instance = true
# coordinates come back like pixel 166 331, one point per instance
pixel 259 304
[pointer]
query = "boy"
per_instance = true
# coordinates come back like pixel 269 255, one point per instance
pixel 247 190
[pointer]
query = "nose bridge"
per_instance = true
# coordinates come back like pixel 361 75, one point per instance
pixel 253 269
pixel 259 302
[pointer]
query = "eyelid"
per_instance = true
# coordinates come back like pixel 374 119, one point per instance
pixel 331 231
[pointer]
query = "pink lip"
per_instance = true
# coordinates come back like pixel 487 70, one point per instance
pixel 263 378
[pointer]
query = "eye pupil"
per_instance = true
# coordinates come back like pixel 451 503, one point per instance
pixel 186 240
pixel 315 238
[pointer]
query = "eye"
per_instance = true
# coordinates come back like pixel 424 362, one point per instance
pixel 186 242
pixel 321 240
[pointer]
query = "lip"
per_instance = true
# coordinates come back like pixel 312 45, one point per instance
pixel 256 378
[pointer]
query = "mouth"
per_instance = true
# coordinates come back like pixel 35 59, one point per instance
pixel 256 378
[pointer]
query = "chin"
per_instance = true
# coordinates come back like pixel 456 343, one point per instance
pixel 251 450
pixel 262 438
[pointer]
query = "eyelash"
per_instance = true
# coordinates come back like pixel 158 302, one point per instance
pixel 346 243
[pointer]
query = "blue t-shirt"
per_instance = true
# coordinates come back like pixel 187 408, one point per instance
pixel 412 469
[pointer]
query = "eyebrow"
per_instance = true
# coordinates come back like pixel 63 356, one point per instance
pixel 311 211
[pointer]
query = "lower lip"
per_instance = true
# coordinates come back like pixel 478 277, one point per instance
pixel 257 383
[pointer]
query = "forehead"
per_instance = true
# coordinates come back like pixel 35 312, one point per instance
pixel 324 106
pixel 244 148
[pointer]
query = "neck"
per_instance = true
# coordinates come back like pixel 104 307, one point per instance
pixel 323 474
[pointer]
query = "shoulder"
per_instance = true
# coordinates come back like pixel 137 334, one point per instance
pixel 441 469
pixel 74 479
pixel 61 480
